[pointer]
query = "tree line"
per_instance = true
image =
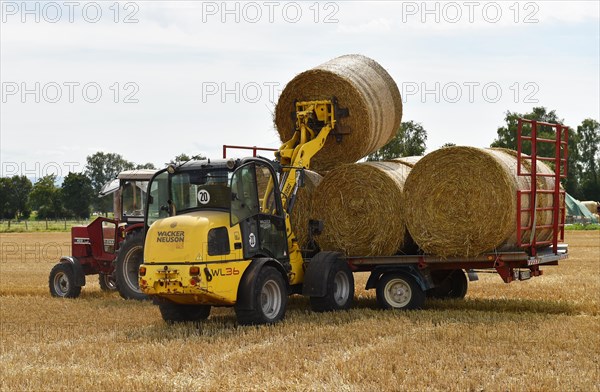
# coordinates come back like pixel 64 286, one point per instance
pixel 583 165
pixel 77 196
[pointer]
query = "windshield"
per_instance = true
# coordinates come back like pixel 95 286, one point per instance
pixel 201 189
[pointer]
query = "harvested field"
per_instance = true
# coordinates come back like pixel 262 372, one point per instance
pixel 539 335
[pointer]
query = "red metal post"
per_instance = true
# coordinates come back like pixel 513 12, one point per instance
pixel 533 194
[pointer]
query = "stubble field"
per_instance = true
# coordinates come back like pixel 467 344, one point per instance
pixel 542 334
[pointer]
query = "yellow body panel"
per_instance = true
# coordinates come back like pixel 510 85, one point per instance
pixel 175 244
pixel 174 282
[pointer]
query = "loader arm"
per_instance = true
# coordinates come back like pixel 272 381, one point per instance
pixel 315 121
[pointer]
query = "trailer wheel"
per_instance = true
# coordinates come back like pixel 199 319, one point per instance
pixel 340 290
pixel 178 313
pixel 399 291
pixel 107 282
pixel 449 284
pixel 270 299
pixel 129 258
pixel 62 281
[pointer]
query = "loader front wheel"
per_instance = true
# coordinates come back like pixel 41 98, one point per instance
pixel 270 299
pixel 127 264
pixel 179 313
pixel 62 281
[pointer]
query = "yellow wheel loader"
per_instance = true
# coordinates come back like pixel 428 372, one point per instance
pixel 219 233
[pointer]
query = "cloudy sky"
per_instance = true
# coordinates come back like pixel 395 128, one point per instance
pixel 151 79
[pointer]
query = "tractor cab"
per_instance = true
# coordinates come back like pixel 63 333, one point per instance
pixel 129 192
pixel 212 212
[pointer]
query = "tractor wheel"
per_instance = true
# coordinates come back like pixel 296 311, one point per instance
pixel 270 299
pixel 449 284
pixel 179 313
pixel 62 281
pixel 107 282
pixel 129 258
pixel 340 290
pixel 399 291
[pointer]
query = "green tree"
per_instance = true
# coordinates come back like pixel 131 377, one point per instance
pixel 409 141
pixel 77 194
pixel 5 190
pixel 100 169
pixel 45 197
pixel 15 195
pixel 588 135
pixel 507 134
pixel 147 165
pixel 182 158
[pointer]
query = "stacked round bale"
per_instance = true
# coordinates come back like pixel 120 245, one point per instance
pixel 360 85
pixel 303 208
pixel 461 201
pixel 362 206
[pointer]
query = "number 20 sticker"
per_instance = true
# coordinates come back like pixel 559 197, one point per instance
pixel 203 196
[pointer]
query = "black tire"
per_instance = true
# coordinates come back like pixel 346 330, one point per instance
pixel 270 299
pixel 62 281
pixel 107 282
pixel 449 284
pixel 129 258
pixel 339 291
pixel 399 291
pixel 179 313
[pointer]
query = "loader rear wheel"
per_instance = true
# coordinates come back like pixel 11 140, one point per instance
pixel 62 281
pixel 339 291
pixel 128 261
pixel 399 291
pixel 449 284
pixel 270 299
pixel 107 282
pixel 178 313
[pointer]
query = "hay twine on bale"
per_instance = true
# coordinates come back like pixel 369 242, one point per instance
pixel 362 206
pixel 361 85
pixel 302 211
pixel 461 201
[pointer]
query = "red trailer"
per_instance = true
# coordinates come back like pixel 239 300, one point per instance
pixel 403 281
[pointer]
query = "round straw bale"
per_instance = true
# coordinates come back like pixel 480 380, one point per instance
pixel 592 206
pixel 362 208
pixel 361 85
pixel 302 211
pixel 461 201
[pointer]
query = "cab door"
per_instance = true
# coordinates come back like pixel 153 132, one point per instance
pixel 256 206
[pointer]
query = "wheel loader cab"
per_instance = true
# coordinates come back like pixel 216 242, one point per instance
pixel 206 221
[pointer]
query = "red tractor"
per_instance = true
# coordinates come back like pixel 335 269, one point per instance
pixel 113 249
